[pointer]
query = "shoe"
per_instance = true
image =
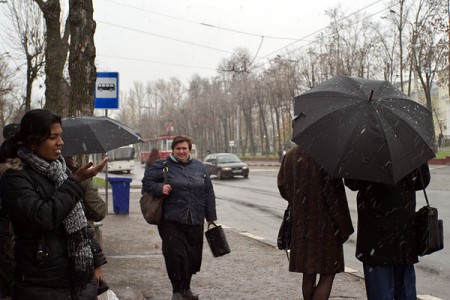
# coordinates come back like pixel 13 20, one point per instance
pixel 189 295
pixel 179 296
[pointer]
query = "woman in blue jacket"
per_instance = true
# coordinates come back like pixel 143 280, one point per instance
pixel 188 200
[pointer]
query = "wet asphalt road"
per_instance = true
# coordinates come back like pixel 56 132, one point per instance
pixel 254 207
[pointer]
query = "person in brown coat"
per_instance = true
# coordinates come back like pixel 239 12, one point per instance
pixel 321 221
pixel 154 156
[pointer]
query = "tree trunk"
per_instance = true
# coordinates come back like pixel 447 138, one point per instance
pixel 82 68
pixel 55 56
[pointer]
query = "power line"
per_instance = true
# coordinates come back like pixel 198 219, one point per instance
pixel 319 30
pixel 202 23
pixel 368 17
pixel 156 62
pixel 225 51
pixel 163 37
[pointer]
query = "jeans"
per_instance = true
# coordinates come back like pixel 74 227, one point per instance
pixel 390 282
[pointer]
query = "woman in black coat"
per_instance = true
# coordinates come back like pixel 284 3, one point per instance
pixel 56 256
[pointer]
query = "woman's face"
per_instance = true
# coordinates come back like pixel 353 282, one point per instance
pixel 50 148
pixel 181 151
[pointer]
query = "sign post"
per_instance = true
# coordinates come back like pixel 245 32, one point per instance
pixel 106 95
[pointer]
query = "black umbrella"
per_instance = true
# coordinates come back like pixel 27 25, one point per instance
pixel 363 129
pixel 85 135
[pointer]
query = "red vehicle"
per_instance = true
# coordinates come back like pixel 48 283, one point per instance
pixel 162 143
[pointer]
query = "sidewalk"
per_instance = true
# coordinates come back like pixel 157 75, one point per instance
pixel 253 270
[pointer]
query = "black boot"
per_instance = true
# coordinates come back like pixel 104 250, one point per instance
pixel 189 295
pixel 179 296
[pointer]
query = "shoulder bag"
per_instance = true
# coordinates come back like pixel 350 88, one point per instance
pixel 284 234
pixel 151 206
pixel 428 228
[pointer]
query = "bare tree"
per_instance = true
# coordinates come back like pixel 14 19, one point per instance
pixel 8 104
pixel 27 37
pixel 429 44
pixel 128 116
pixel 400 20
pixel 136 95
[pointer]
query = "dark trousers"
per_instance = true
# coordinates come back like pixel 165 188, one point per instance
pixel 6 258
pixel 182 247
pixel 389 282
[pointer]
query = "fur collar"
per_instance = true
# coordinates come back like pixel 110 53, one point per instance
pixel 11 163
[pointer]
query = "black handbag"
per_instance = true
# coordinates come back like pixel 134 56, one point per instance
pixel 151 206
pixel 429 231
pixel 284 234
pixel 217 240
pixel 428 228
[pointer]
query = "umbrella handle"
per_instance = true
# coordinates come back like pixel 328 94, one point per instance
pixel 423 185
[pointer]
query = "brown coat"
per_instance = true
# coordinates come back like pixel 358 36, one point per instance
pixel 320 215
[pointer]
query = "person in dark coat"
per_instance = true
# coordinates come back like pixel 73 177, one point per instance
pixel 320 218
pixel 385 241
pixel 95 206
pixel 6 236
pixel 188 200
pixel 55 256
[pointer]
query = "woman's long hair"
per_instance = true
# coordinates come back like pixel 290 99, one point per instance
pixel 35 127
pixel 154 156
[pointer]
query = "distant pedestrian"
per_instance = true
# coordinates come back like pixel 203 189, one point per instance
pixel 321 222
pixel 280 155
pixel 385 243
pixel 188 200
pixel 440 140
pixel 154 156
pixel 54 255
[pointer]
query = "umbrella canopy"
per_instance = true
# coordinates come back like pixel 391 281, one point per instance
pixel 363 129
pixel 85 135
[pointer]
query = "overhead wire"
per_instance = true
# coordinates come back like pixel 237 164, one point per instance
pixel 156 62
pixel 367 17
pixel 296 40
pixel 201 23
pixel 319 30
pixel 162 36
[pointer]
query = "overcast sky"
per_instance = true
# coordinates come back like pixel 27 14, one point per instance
pixel 145 40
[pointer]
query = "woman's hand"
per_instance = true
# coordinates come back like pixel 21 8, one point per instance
pixel 90 170
pixel 98 273
pixel 166 189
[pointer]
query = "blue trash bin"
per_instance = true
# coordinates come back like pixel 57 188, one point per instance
pixel 121 194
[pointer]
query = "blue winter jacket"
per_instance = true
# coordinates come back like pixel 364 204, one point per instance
pixel 192 197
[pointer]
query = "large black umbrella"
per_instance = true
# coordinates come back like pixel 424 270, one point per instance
pixel 363 129
pixel 85 135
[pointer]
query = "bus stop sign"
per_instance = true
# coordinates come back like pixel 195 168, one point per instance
pixel 106 94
